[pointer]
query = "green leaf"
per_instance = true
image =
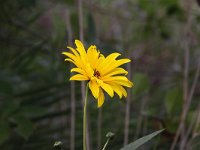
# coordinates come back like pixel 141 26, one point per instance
pixel 9 107
pixel 32 111
pixel 5 87
pixel 172 123
pixel 173 101
pixel 141 83
pixel 24 126
pixel 4 131
pixel 141 141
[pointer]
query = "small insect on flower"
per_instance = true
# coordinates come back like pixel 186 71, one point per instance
pixel 102 73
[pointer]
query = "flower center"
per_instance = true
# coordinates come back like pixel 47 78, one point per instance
pixel 96 73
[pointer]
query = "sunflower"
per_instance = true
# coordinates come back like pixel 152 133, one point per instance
pixel 102 73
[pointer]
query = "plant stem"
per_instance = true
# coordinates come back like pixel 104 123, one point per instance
pixel 85 119
pixel 106 144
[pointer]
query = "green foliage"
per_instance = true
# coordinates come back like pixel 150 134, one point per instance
pixel 141 83
pixel 5 87
pixel 34 88
pixel 5 131
pixel 9 108
pixel 32 111
pixel 173 101
pixel 24 126
pixel 141 141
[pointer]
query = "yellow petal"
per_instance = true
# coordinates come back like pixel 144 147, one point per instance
pixel 78 70
pixel 114 65
pixel 80 48
pixel 73 50
pixel 67 59
pixel 124 83
pixel 79 77
pixel 94 87
pixel 108 89
pixel 119 80
pixel 100 98
pixel 118 89
pixel 73 57
pixel 107 61
pixel 116 71
pixel 93 55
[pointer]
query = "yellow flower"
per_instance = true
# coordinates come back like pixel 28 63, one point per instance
pixel 102 73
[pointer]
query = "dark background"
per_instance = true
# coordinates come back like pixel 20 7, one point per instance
pixel 160 36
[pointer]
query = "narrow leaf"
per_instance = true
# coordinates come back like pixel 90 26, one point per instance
pixel 141 141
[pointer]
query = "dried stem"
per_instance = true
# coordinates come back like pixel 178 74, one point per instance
pixel 127 113
pixel 72 90
pixel 186 107
pixel 141 118
pixel 189 103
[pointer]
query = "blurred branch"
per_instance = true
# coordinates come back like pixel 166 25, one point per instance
pixel 21 25
pixel 72 89
pixel 195 119
pixel 184 140
pixel 140 119
pixel 128 103
pixel 186 101
pixel 96 8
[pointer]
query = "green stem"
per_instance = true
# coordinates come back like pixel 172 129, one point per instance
pixel 84 119
pixel 106 144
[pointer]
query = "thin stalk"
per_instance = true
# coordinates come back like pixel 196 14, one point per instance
pixel 104 147
pixel 99 126
pixel 85 119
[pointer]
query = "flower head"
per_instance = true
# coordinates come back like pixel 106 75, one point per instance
pixel 102 73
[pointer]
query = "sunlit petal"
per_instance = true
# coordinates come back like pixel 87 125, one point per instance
pixel 100 98
pixel 79 77
pixel 116 71
pixel 94 87
pixel 103 73
pixel 78 70
pixel 108 89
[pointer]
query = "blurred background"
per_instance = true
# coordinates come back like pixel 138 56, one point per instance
pixel 38 104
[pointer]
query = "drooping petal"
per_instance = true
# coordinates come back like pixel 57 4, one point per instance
pixel 79 77
pixel 94 87
pixel 100 98
pixel 120 80
pixel 79 70
pixel 118 89
pixel 124 83
pixel 68 59
pixel 108 89
pixel 74 51
pixel 73 57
